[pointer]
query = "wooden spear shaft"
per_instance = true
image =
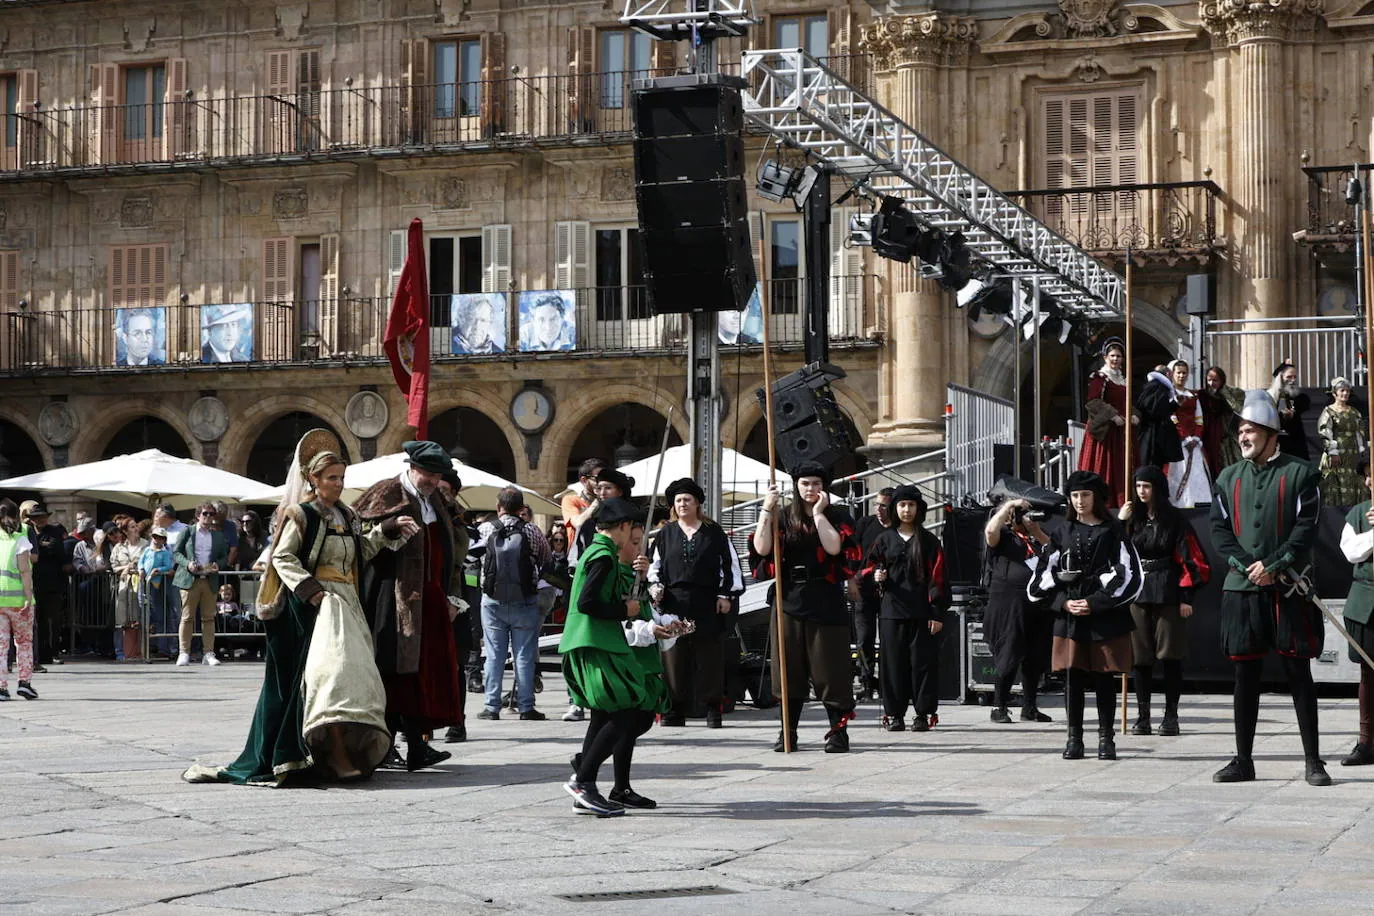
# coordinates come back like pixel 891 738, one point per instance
pixel 1368 283
pixel 780 639
pixel 1126 472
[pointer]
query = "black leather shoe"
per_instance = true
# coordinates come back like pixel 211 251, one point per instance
pixel 838 742
pixel 673 720
pixel 1169 726
pixel 1034 715
pixel 1316 773
pixel 393 761
pixel 920 723
pixel 1142 727
pixel 1000 716
pixel 777 745
pixel 1361 755
pixel 632 799
pixel 532 715
pixel 492 714
pixel 1073 748
pixel 1236 771
pixel 422 756
pixel 894 725
pixel 713 718
pixel 456 734
pixel 1106 747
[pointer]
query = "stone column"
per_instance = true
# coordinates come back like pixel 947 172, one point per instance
pixel 1254 36
pixel 909 53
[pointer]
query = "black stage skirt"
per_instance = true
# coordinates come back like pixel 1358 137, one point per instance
pixel 1363 634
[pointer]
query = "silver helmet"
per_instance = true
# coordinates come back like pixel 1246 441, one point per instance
pixel 1260 410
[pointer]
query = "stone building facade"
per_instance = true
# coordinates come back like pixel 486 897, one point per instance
pixel 189 165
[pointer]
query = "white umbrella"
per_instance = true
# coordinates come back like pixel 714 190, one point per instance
pixel 742 478
pixel 479 487
pixel 148 478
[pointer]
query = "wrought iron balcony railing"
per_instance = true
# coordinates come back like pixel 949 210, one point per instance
pixel 338 123
pixel 590 322
pixel 1329 217
pixel 1178 218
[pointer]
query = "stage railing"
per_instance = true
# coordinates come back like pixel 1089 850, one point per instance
pixel 974 423
pixel 1320 347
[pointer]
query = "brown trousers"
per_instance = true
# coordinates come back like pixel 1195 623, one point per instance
pixel 695 670
pixel 200 596
pixel 820 653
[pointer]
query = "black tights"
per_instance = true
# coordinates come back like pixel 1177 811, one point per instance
pixel 1172 671
pixel 1249 673
pixel 612 734
pixel 1076 688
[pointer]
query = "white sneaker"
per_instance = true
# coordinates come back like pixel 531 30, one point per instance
pixel 574 714
pixel 209 659
pixel 183 660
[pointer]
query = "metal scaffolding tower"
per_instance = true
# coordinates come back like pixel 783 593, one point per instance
pixel 808 107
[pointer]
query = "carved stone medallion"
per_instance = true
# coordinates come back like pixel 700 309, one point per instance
pixel 136 212
pixel 208 419
pixel 366 414
pixel 617 183
pixel 1088 18
pixel 290 203
pixel 57 423
pixel 452 193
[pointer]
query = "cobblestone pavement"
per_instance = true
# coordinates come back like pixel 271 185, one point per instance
pixel 970 818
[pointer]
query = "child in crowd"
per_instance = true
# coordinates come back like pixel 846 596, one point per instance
pixel 156 567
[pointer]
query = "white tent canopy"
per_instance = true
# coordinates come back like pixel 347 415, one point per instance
pixel 742 477
pixel 145 478
pixel 479 487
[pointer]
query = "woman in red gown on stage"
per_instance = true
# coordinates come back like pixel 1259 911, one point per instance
pixel 1104 443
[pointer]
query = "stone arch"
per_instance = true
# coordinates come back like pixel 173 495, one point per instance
pixel 578 411
pixel 247 427
pixel 477 439
pixel 486 403
pixel 90 441
pixel 995 373
pixel 30 429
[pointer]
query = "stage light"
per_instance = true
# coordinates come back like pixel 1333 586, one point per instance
pixel 776 182
pixel 896 233
pixel 991 294
pixel 861 230
pixel 805 182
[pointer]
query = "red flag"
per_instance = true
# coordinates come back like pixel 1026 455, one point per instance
pixel 406 341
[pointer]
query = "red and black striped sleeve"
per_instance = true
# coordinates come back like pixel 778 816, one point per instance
pixel 1192 561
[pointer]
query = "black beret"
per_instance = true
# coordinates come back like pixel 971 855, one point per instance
pixel 810 469
pixel 1086 480
pixel 616 511
pixel 910 492
pixel 685 485
pixel 612 476
pixel 453 479
pixel 427 456
pixel 1152 475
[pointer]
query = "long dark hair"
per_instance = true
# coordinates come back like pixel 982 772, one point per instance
pixel 1167 517
pixel 9 516
pixel 252 529
pixel 797 522
pixel 915 549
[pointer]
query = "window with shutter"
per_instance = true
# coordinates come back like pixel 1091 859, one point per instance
pixel 291 113
pixel 276 316
pixel 417 95
pixel 329 294
pixel 846 278
pixel 395 260
pixel 496 258
pixel 9 280
pixel 277 262
pixel 1091 139
pixel 138 275
pixel 495 84
pixel 175 114
pixel 142 113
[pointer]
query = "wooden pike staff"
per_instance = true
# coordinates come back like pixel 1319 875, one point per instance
pixel 780 674
pixel 1368 281
pixel 1127 472
pixel 653 495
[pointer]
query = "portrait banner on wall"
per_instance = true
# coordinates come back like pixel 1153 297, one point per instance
pixel 140 336
pixel 226 333
pixel 548 321
pixel 743 328
pixel 479 323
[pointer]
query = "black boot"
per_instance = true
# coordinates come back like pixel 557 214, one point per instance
pixel 1362 755
pixel 1106 744
pixel 1142 725
pixel 837 739
pixel 794 710
pixel 1000 716
pixel 713 718
pixel 1073 748
pixel 1237 770
pixel 1316 773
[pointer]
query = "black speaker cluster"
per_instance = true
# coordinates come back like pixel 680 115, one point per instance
pixel 808 424
pixel 691 197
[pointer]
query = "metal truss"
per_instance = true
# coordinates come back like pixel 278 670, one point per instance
pixel 807 106
pixel 676 18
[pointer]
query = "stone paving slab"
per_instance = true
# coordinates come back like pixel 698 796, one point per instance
pixel 970 818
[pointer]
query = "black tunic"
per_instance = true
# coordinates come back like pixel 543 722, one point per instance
pixel 1171 561
pixel 813 580
pixel 1008 568
pixel 1108 577
pixel 904 598
pixel 1159 441
pixel 694 572
pixel 867 530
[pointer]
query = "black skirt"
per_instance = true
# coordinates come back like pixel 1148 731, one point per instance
pixel 1363 634
pixel 1253 624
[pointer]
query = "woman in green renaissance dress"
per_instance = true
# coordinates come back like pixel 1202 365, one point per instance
pixel 1341 428
pixel 321 711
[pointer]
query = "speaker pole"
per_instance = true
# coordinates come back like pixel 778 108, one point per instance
pixel 816 214
pixel 1128 472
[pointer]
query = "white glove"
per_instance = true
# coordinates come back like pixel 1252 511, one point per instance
pixel 458 603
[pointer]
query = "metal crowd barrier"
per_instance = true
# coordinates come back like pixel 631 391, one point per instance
pixel 160 616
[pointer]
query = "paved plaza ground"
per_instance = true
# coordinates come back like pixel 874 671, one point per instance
pixel 971 818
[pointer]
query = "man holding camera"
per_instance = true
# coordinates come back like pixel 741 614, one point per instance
pixel 1019 631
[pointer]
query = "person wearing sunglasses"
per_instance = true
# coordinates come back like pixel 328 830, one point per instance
pixel 200 553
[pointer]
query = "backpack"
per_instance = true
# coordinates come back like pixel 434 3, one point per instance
pixel 508 572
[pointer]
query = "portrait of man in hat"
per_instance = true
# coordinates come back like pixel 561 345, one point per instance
pixel 226 333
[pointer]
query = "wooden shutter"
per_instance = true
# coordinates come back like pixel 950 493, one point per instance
pixel 416 93
pixel 494 83
pixel 846 278
pixel 277 275
pixel 580 82
pixel 395 260
pixel 276 316
pixel 663 58
pixel 756 242
pixel 329 295
pixel 175 111
pixel 138 275
pixel 104 138
pixel 29 140
pixel 496 258
pixel 9 280
pixel 572 247
pixel 276 117
pixel 837 27
pixel 307 69
pixel 1092 139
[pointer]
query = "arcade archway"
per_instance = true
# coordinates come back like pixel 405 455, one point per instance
pixel 474 439
pixel 270 457
pixel 19 455
pixel 143 433
pixel 620 434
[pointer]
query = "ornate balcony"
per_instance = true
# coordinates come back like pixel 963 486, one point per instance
pixel 1331 224
pixel 603 321
pixel 1166 223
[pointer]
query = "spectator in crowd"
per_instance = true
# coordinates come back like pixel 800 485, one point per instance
pixel 95 586
pixel 124 557
pixel 156 566
pixel 16 601
pixel 166 518
pixel 1341 430
pixel 610 484
pixel 515 553
pixel 50 571
pixel 252 540
pixel 231 531
pixel 554 580
pixel 200 553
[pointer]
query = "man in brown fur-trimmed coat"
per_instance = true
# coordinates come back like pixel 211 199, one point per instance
pixel 413 596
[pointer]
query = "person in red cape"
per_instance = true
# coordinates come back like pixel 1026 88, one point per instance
pixel 1104 443
pixel 414 596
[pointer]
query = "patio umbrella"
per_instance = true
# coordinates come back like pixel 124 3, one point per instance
pixel 149 477
pixel 479 487
pixel 742 478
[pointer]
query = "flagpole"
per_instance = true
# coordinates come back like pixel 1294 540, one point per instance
pixel 1368 298
pixel 1126 472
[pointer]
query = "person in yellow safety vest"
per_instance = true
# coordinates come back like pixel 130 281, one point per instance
pixel 16 601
